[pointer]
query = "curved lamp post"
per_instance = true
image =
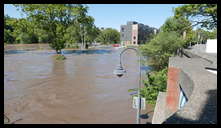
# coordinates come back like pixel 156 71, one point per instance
pixel 119 71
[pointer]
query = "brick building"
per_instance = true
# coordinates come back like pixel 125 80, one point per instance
pixel 134 33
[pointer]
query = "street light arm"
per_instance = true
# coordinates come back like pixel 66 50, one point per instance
pixel 139 85
pixel 138 53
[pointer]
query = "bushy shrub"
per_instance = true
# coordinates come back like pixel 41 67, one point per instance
pixel 23 38
pixel 155 82
pixel 57 45
pixel 8 38
pixel 60 57
pixel 34 38
pixel 160 48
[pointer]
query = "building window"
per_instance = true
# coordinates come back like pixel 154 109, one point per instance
pixel 122 35
pixel 134 37
pixel 134 42
pixel 183 99
pixel 122 29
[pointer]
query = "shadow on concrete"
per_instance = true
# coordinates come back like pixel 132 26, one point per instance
pixel 148 116
pixel 208 114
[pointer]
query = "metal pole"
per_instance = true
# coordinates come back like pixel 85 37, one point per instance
pixel 139 85
pixel 139 99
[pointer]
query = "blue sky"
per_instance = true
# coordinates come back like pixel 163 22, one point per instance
pixel 114 15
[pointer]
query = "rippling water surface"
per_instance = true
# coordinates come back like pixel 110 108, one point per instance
pixel 80 89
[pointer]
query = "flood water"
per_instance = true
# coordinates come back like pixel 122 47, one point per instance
pixel 80 89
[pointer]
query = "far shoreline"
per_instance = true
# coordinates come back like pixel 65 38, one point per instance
pixel 35 46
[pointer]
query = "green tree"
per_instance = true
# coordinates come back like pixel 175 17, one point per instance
pixel 201 35
pixel 19 28
pixel 92 34
pixel 7 24
pixel 53 19
pixel 213 34
pixel 178 25
pixel 24 38
pixel 72 35
pixel 159 49
pixel 85 23
pixel 149 37
pixel 108 36
pixel 8 29
pixel 8 38
pixel 24 31
pixel 204 15
pixel 43 36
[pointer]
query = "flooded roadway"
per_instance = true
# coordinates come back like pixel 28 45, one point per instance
pixel 80 89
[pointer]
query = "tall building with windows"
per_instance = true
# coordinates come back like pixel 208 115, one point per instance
pixel 134 33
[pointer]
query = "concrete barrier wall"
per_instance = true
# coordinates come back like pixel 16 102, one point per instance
pixel 186 84
pixel 176 79
pixel 211 46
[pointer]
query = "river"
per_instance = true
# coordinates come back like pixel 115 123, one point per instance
pixel 80 89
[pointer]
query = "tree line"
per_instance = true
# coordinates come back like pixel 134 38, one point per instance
pixel 177 32
pixel 60 25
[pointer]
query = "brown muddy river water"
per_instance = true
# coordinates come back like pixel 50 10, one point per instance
pixel 80 89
